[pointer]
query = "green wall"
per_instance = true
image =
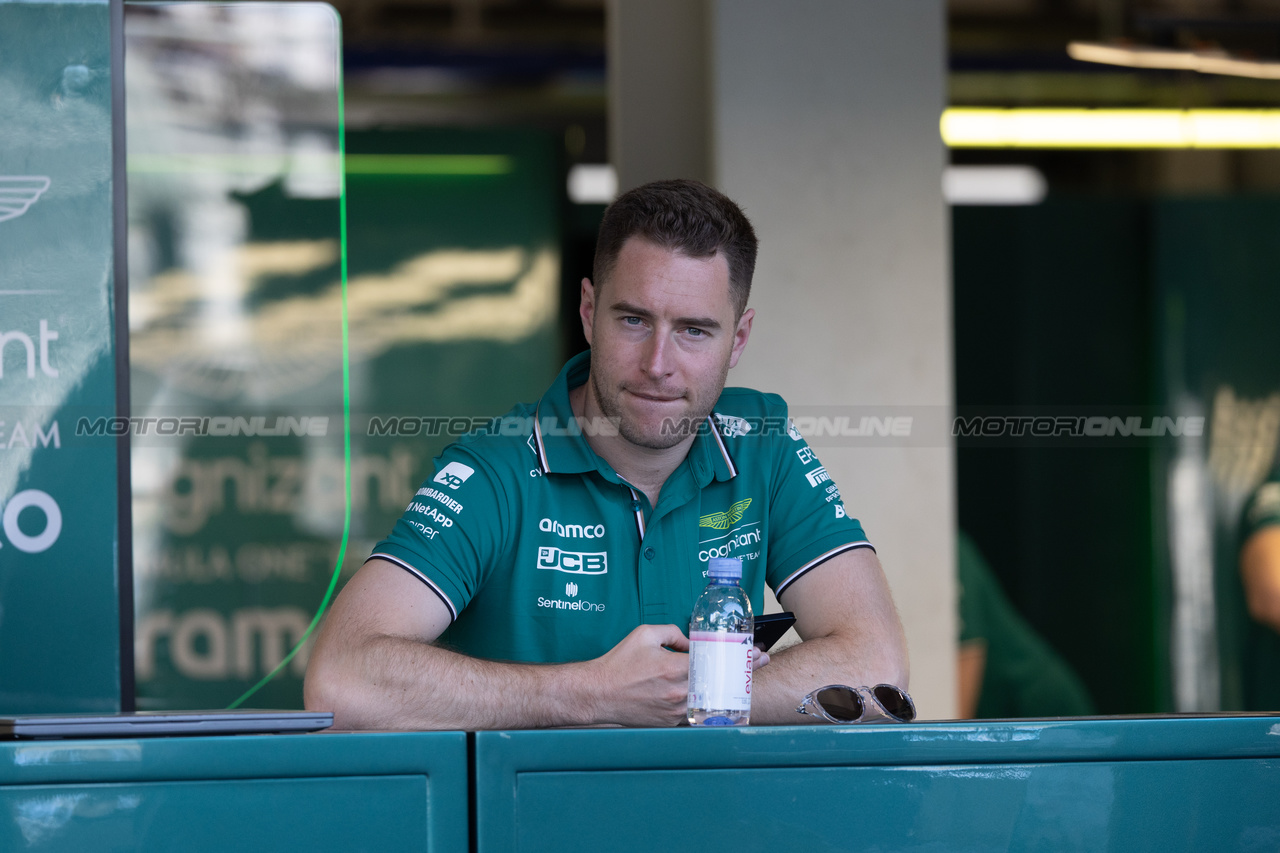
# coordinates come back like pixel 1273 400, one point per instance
pixel 1125 307
pixel 1053 316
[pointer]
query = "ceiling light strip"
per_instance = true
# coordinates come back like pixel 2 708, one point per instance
pixel 973 127
pixel 1203 62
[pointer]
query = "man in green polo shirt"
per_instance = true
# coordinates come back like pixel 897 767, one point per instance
pixel 545 574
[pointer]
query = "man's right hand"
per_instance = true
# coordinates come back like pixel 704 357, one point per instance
pixel 644 680
pixel 375 666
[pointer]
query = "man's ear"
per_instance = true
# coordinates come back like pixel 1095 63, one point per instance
pixel 587 308
pixel 740 334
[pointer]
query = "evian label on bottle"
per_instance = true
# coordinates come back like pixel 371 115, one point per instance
pixel 720 670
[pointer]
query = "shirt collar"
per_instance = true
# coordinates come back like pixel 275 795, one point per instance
pixel 563 449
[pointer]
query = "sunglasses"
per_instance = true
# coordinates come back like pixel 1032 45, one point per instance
pixel 838 703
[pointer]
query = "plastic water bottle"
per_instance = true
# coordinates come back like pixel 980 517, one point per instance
pixel 720 639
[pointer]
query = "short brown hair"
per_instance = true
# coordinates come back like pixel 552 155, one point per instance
pixel 682 216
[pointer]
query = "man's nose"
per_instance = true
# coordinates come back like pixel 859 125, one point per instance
pixel 656 356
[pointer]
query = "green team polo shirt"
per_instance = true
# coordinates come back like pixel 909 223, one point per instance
pixel 542 553
pixel 1262 509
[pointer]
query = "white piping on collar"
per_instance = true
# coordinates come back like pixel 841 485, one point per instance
pixel 724 451
pixel 541 448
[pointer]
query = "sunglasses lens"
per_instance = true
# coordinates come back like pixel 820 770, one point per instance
pixel 895 702
pixel 841 703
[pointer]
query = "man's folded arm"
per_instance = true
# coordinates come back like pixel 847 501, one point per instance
pixel 375 665
pixel 851 631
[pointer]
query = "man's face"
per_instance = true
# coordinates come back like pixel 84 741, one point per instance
pixel 663 336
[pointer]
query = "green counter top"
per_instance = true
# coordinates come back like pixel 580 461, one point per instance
pixel 1159 783
pixel 1172 783
pixel 349 792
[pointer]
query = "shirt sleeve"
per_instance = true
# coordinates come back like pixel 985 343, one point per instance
pixel 453 530
pixel 808 524
pixel 1262 509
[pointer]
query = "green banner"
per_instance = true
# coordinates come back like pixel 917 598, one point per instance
pixel 59 598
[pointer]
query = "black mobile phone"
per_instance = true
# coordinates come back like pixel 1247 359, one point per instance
pixel 770 627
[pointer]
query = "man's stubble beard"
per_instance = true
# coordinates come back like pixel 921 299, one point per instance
pixel 681 428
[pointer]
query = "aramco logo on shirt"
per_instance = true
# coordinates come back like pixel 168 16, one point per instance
pixel 725 520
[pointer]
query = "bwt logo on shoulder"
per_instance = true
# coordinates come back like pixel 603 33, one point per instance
pixel 573 562
pixel 454 474
pixel 572 531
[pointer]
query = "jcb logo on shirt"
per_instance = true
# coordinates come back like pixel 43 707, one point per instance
pixel 573 562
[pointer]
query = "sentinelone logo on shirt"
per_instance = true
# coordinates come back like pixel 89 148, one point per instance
pixel 571 590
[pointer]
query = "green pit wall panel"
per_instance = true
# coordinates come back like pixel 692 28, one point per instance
pixel 305 793
pixel 1158 784
pixel 60 595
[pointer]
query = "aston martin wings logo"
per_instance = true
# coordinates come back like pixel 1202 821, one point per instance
pixel 723 520
pixel 19 192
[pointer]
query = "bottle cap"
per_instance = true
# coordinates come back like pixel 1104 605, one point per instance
pixel 725 568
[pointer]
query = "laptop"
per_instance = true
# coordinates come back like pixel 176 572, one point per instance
pixel 152 723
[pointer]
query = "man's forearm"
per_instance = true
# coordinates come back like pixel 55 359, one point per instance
pixel 852 635
pixel 387 682
pixel 397 683
pixel 792 672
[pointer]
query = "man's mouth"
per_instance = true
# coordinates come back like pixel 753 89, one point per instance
pixel 654 397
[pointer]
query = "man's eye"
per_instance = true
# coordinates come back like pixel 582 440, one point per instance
pixel 632 321
pixel 695 332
